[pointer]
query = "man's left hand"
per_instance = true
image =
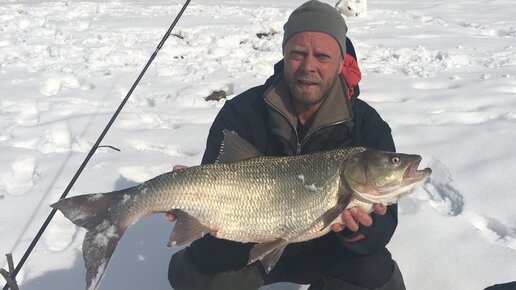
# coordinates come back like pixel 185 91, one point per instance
pixel 353 217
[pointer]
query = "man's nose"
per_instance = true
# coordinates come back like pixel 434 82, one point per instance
pixel 309 63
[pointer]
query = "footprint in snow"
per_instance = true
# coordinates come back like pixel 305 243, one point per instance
pixel 60 234
pixel 20 178
pixel 53 85
pixel 494 230
pixel 439 188
pixel 24 113
pixel 510 32
pixel 445 198
pixel 56 138
pixel 438 191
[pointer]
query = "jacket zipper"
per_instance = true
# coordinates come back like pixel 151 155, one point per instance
pixel 303 142
pixel 299 144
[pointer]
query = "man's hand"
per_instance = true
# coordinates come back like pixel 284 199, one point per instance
pixel 169 216
pixel 353 217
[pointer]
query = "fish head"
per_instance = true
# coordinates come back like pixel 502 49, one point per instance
pixel 381 177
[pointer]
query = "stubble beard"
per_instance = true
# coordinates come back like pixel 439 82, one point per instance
pixel 310 97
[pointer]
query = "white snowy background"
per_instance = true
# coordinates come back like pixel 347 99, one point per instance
pixel 441 73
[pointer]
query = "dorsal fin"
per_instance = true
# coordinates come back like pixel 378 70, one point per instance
pixel 235 148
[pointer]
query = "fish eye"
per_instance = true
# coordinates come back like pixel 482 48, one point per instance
pixel 395 160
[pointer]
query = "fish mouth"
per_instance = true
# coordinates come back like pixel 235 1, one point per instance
pixel 412 172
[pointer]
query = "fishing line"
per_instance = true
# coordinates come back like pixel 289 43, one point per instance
pixel 96 145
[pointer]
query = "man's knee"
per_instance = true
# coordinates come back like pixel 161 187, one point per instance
pixel 396 281
pixel 247 278
pixel 371 271
pixel 184 274
pixel 393 282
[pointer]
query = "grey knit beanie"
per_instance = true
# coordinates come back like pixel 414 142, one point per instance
pixel 317 16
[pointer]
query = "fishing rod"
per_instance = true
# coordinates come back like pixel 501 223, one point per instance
pixel 95 146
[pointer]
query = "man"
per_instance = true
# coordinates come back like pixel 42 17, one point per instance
pixel 304 107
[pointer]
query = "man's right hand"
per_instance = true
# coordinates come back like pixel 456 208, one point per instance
pixel 169 215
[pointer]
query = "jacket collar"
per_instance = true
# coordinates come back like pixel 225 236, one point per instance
pixel 334 109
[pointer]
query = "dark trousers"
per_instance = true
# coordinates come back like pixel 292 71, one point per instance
pixel 366 271
pixel 325 267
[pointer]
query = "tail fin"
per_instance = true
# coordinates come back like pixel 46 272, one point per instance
pixel 92 211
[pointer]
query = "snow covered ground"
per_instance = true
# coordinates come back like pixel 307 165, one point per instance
pixel 442 73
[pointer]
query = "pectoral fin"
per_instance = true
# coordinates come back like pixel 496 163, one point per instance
pixel 333 213
pixel 268 253
pixel 186 230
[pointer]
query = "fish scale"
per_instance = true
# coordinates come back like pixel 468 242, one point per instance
pixel 229 197
pixel 272 201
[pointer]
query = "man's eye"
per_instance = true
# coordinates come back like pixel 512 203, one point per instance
pixel 296 55
pixel 323 57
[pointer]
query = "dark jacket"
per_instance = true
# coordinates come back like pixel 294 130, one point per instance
pixel 254 118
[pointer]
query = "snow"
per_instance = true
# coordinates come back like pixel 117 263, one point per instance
pixel 106 232
pixel 312 187
pixel 441 73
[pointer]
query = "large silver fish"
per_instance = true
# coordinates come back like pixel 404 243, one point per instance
pixel 271 201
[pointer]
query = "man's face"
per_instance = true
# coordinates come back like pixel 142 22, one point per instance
pixel 312 64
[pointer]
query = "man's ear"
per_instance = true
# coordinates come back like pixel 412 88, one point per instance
pixel 341 64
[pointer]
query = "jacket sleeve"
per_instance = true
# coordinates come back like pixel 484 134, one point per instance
pixel 372 132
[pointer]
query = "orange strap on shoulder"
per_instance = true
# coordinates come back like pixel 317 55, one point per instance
pixel 351 73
